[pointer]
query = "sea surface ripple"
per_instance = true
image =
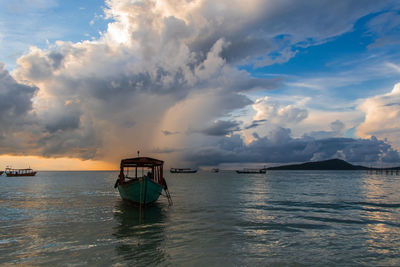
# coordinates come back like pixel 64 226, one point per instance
pixel 282 218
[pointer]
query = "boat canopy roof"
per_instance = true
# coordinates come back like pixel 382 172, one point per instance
pixel 141 162
pixel 12 169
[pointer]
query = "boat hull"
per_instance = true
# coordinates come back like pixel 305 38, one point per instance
pixel 21 174
pixel 141 191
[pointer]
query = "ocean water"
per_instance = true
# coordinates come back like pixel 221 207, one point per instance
pixel 282 218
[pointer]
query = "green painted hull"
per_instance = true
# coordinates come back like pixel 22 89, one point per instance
pixel 140 192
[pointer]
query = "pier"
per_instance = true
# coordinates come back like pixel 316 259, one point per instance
pixel 384 171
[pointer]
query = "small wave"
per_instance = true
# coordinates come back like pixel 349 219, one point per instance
pixel 349 221
pixel 334 206
pixel 335 220
pixel 382 205
pixel 287 227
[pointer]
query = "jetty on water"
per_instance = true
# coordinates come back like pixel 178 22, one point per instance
pixel 391 171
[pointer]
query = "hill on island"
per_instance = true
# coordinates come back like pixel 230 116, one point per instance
pixel 332 164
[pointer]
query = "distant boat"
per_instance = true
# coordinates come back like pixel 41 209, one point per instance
pixel 1 172
pixel 215 170
pixel 10 172
pixel 245 170
pixel 182 170
pixel 141 180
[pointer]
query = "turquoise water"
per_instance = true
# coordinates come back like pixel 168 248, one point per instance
pixel 280 218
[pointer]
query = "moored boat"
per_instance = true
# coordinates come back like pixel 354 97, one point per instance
pixel 1 172
pixel 245 170
pixel 182 170
pixel 141 180
pixel 10 172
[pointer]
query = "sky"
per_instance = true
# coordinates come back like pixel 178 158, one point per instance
pixel 198 83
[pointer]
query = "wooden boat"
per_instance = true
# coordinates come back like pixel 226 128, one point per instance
pixel 182 170
pixel 141 180
pixel 10 172
pixel 252 171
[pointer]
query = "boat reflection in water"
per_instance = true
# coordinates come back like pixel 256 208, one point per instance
pixel 245 170
pixel 141 233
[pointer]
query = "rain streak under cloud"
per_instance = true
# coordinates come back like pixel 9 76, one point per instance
pixel 176 79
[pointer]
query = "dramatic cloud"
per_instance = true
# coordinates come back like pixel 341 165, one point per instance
pixel 254 124
pixel 280 147
pixel 171 66
pixel 276 113
pixel 15 99
pixel 16 113
pixel 220 128
pixel 337 128
pixel 262 31
pixel 382 117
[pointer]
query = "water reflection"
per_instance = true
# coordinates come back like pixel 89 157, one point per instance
pixel 140 233
pixel 381 208
pixel 26 211
pixel 41 221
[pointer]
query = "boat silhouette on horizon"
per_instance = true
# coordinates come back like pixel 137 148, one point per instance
pixel 11 172
pixel 182 170
pixel 246 170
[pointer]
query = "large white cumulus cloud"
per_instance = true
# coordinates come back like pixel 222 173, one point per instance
pixel 163 66
pixel 277 113
pixel 104 98
pixel 382 117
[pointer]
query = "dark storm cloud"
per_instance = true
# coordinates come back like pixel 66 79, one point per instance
pixel 255 124
pixel 18 121
pixel 15 100
pixel 280 147
pixel 220 128
pixel 246 47
pixel 25 131
pixel 63 122
pixel 56 59
pixel 251 84
pixel 78 143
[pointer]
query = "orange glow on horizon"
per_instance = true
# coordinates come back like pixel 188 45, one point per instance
pixel 54 164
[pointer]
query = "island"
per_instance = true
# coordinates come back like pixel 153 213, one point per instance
pixel 332 164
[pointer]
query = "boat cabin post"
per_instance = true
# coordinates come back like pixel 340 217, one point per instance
pixel 121 175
